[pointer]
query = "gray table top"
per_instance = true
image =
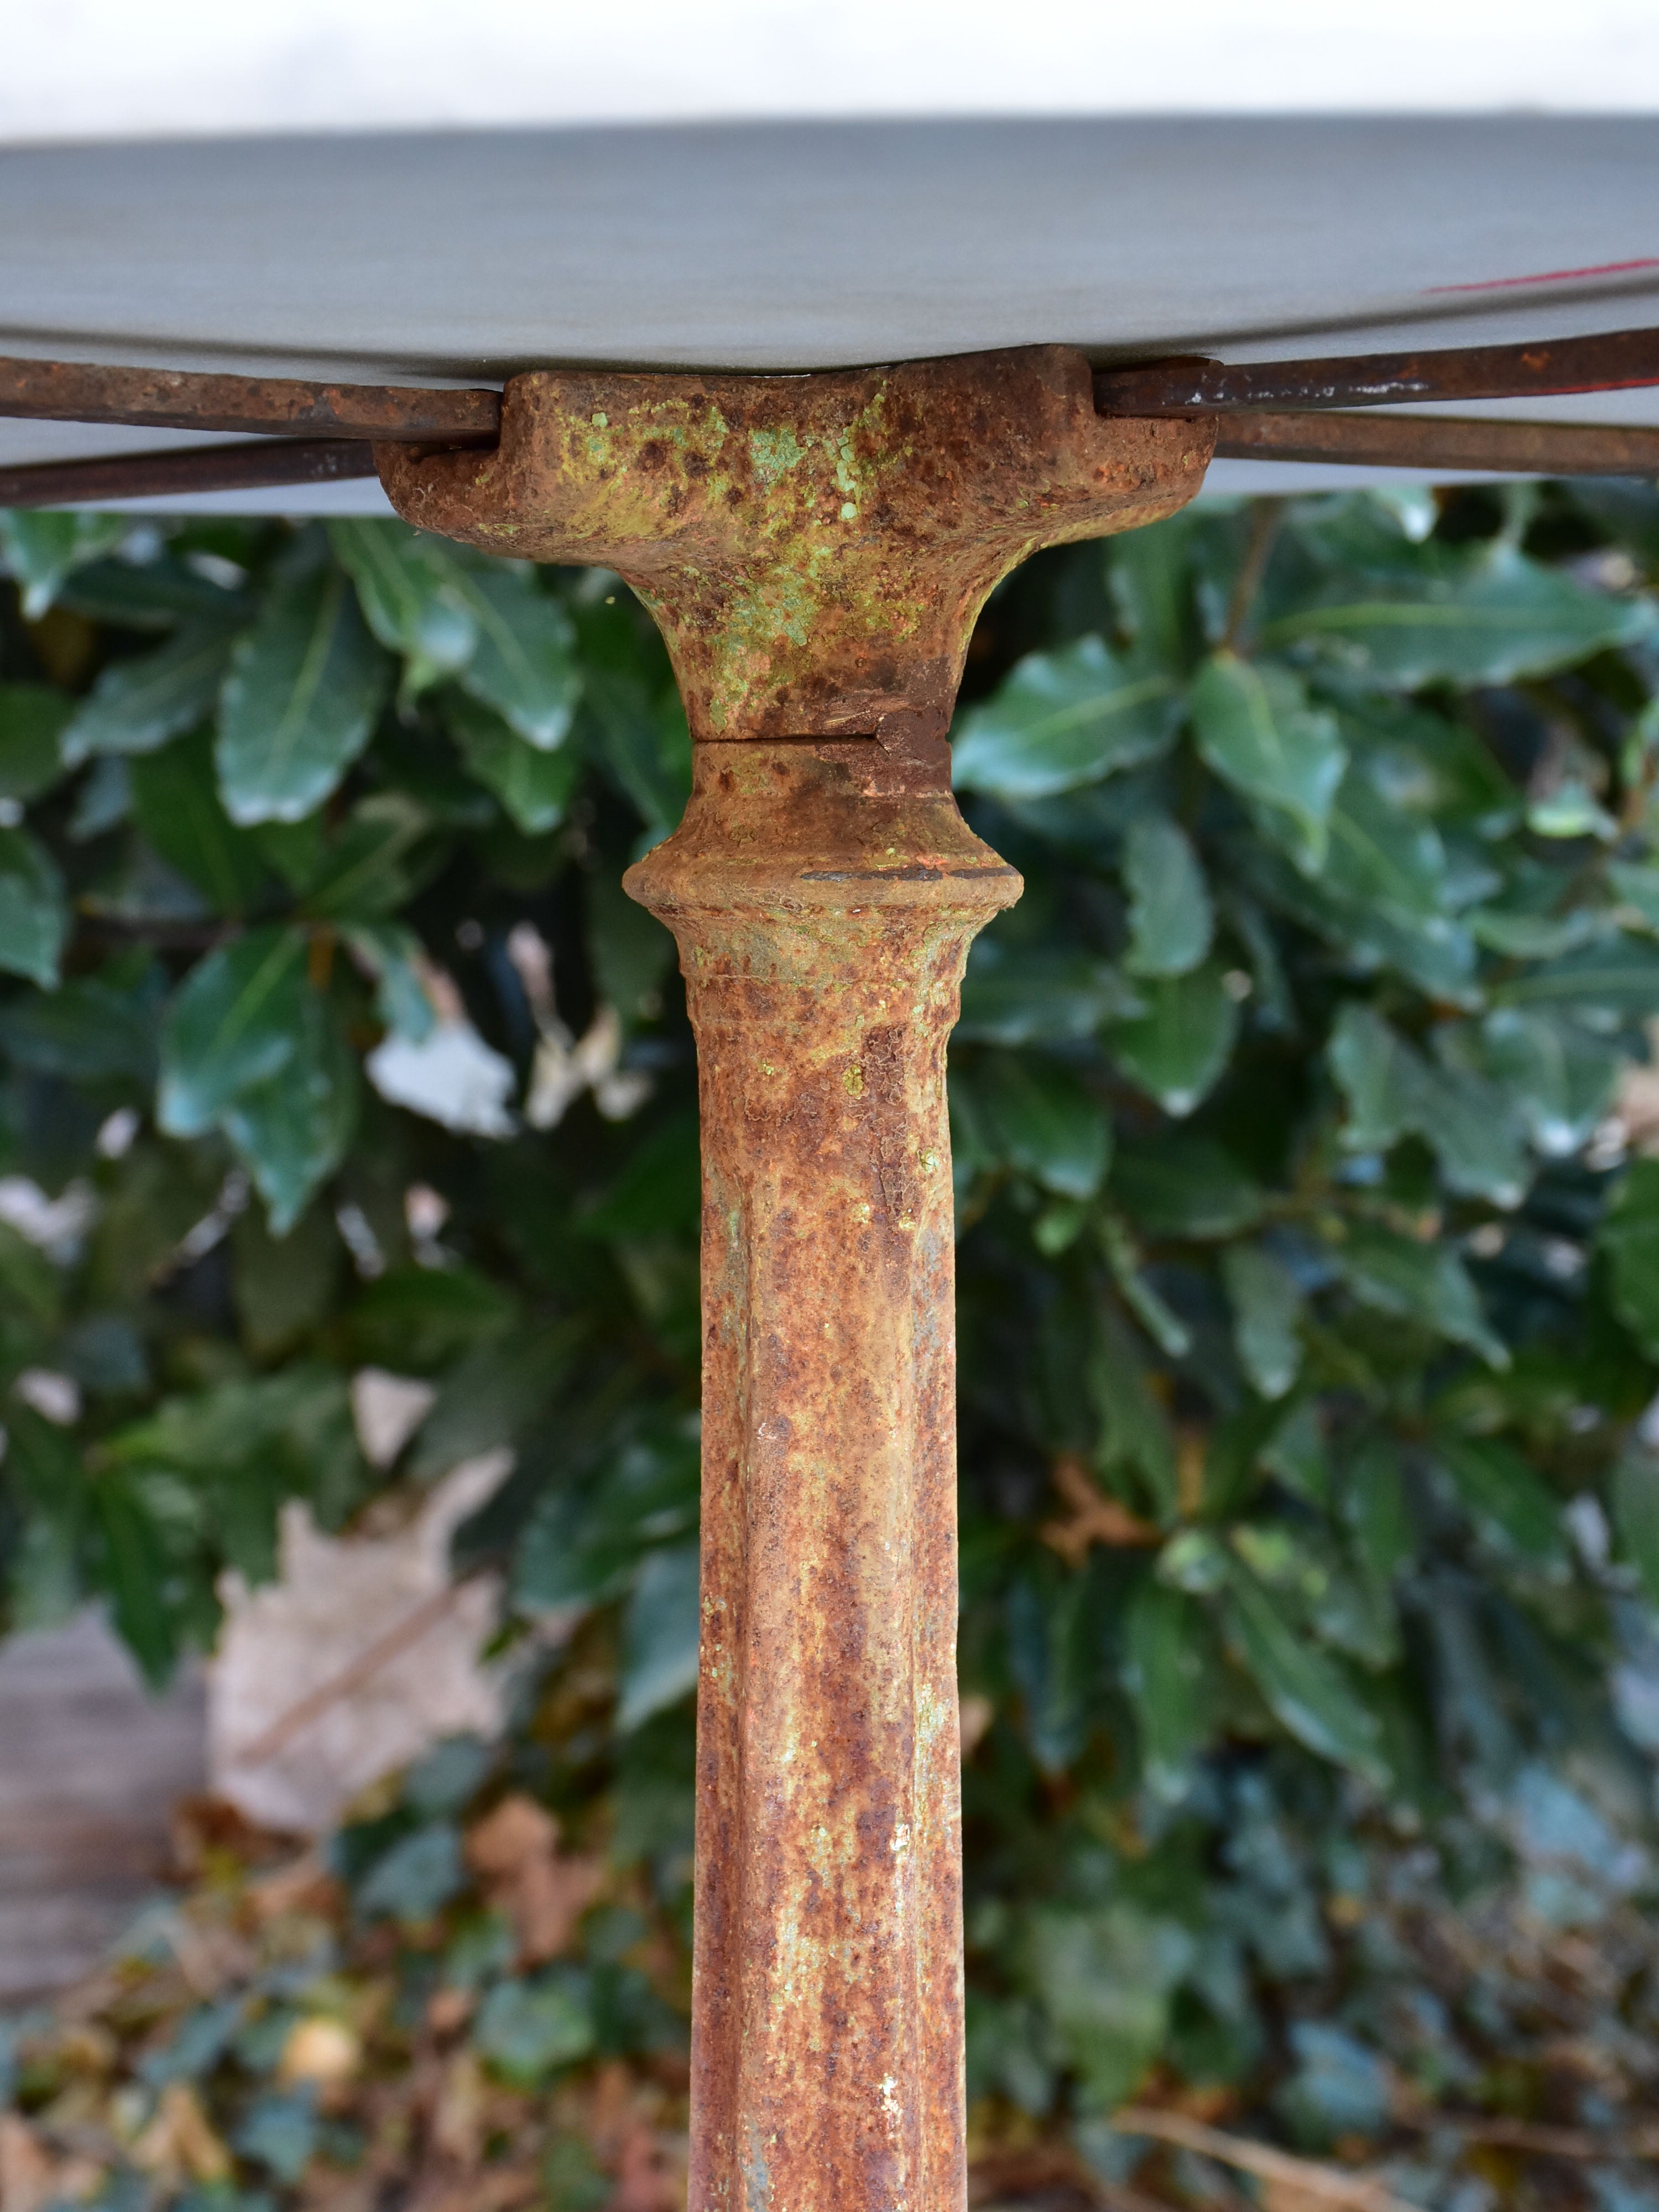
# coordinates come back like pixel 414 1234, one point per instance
pixel 463 255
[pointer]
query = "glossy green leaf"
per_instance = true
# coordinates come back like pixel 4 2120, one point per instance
pixel 533 785
pixel 407 591
pixel 1015 996
pixel 42 547
pixel 1614 976
pixel 1151 581
pixel 1038 1117
pixel 97 1028
pixel 1256 729
pixel 1483 616
pixel 1559 1077
pixel 1635 1514
pixel 1629 1236
pixel 236 1022
pixel 418 1875
pixel 134 1566
pixel 291 1130
pixel 660 1637
pixel 526 2028
pixel 1503 1495
pixel 1107 1977
pixel 138 704
pixel 1048 1659
pixel 1170 918
pixel 175 799
pixel 1134 1429
pixel 1308 1693
pixel 1296 1452
pixel 1267 1305
pixel 1437 957
pixel 629 949
pixel 1178 1184
pixel 415 1319
pixel 1065 719
pixel 159 592
pixel 364 870
pixel 1426 1283
pixel 1179 1046
pixel 1374 1506
pixel 34 915
pixel 524 664
pixel 1392 1091
pixel 1430 765
pixel 306 687
pixel 1140 1293
pixel 1380 1078
pixel 1164 1672
pixel 632 719
pixel 1384 856
pixel 33 717
pixel 393 954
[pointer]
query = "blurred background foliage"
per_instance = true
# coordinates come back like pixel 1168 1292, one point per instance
pixel 1309 1328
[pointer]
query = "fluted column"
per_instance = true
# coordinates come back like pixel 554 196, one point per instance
pixel 823 932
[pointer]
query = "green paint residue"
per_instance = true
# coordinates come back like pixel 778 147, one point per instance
pixel 775 452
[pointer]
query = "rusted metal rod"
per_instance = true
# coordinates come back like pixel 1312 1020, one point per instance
pixel 82 392
pixel 815 550
pixel 183 471
pixel 1612 360
pixel 1441 442
pixel 1401 441
pixel 245 406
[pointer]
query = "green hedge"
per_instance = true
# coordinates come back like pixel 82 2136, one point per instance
pixel 1309 1282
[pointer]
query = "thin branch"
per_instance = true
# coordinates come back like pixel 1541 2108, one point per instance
pixel 367 1663
pixel 1265 515
pixel 1354 2192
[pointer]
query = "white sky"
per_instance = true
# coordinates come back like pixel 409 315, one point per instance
pixel 77 68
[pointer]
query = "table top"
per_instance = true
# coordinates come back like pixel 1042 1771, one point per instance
pixel 623 227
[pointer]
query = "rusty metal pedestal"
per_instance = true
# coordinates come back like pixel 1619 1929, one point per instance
pixel 815 550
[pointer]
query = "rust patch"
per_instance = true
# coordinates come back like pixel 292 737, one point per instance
pixel 191 399
pixel 826 2028
pixel 815 548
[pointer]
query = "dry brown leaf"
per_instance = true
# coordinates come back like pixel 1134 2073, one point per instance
pixel 459 2113
pixel 28 2172
pixel 1093 1517
pixel 179 2141
pixel 497 2188
pixel 1290 2197
pixel 304 1885
pixel 448 2009
pixel 515 1852
pixel 649 2178
pixel 974 1717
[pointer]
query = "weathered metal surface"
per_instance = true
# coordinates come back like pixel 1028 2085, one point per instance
pixel 1441 442
pixel 180 399
pixel 1405 441
pixel 186 470
pixel 823 927
pixel 814 548
pixel 1611 360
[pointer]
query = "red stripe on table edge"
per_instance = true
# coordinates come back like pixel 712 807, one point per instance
pixel 1548 276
